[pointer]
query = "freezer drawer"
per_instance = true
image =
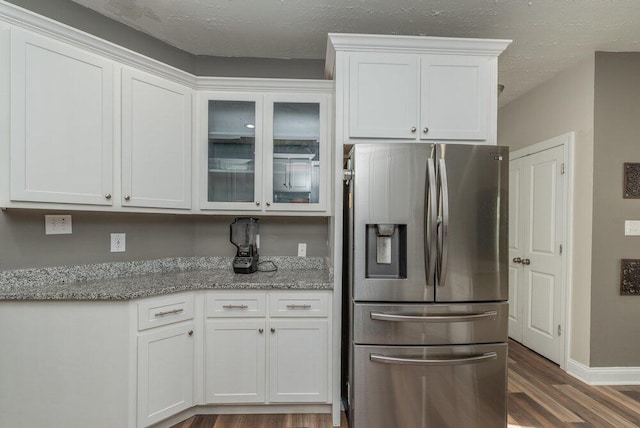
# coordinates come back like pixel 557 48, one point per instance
pixel 426 387
pixel 434 324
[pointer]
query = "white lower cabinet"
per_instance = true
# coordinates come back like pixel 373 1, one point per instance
pixel 166 364
pixel 298 361
pixel 235 363
pixel 277 357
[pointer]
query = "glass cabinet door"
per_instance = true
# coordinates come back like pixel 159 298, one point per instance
pixel 296 155
pixel 231 153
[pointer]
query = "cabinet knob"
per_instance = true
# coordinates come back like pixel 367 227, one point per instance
pixel 425 130
pixel 413 129
pixel 526 262
pixel 273 330
pixel 127 197
pixel 268 203
pixel 261 330
pixel 258 203
pixel 517 260
pixel 190 332
pixel 107 196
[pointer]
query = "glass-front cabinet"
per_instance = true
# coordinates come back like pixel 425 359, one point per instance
pixel 233 162
pixel 266 152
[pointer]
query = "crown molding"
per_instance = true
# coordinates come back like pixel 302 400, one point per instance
pixel 39 24
pixel 414 44
pixel 263 85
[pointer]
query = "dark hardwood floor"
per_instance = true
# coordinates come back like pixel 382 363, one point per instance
pixel 540 396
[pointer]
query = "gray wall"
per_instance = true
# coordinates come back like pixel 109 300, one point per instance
pixel 561 105
pixel 92 22
pixel 23 243
pixel 614 318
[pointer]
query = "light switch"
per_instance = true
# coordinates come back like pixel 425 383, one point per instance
pixel 632 227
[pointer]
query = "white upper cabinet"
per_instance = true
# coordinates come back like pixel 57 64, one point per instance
pixel 156 142
pixel 414 88
pixel 61 122
pixel 296 155
pixel 231 152
pixel 264 152
pixel 455 99
pixel 384 92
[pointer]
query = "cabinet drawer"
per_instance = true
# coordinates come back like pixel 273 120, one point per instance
pixel 299 304
pixel 236 304
pixel 164 310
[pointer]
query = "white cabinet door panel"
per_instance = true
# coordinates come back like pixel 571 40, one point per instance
pixel 156 142
pixel 235 361
pixel 383 95
pixel 455 97
pixel 165 373
pixel 298 361
pixel 61 122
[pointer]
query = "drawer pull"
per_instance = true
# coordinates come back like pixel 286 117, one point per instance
pixel 235 307
pixel 432 318
pixel 433 362
pixel 175 311
pixel 298 306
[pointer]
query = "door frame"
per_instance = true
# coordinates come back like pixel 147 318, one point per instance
pixel 567 141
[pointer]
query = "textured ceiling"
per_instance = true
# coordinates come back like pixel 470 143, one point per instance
pixel 548 35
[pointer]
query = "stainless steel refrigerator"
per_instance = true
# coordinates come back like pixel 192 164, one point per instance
pixel 426 233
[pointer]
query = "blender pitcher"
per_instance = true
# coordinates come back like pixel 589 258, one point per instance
pixel 244 232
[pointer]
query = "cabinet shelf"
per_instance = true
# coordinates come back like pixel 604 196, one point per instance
pixel 234 171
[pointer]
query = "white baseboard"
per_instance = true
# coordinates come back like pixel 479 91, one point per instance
pixel 604 375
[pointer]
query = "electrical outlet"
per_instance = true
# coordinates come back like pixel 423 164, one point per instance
pixel 118 242
pixel 57 224
pixel 632 228
pixel 302 249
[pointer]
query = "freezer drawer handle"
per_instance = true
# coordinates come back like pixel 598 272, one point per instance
pixel 436 362
pixel 432 318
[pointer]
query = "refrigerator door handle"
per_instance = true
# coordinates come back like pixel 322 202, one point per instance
pixel 381 316
pixel 376 358
pixel 431 226
pixel 443 223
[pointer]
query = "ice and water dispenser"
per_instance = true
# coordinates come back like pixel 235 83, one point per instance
pixel 386 251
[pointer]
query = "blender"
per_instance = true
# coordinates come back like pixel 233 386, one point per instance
pixel 244 232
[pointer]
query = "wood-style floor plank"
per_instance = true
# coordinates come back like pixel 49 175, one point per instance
pixel 540 396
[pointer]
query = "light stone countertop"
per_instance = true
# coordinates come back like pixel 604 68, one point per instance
pixel 131 280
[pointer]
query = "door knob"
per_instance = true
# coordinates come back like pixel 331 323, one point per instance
pixel 425 130
pixel 413 129
pixel 190 332
pixel 260 330
pixel 107 196
pixel 127 197
pixel 526 262
pixel 517 260
pixel 258 203
pixel 273 330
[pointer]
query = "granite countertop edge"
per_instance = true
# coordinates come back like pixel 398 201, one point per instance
pixel 132 280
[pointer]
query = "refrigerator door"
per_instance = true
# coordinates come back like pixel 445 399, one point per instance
pixel 472 223
pixel 429 386
pixel 392 252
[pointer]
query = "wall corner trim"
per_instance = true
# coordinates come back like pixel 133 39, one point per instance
pixel 603 375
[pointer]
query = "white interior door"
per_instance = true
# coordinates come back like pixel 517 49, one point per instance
pixel 536 282
pixel 516 249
